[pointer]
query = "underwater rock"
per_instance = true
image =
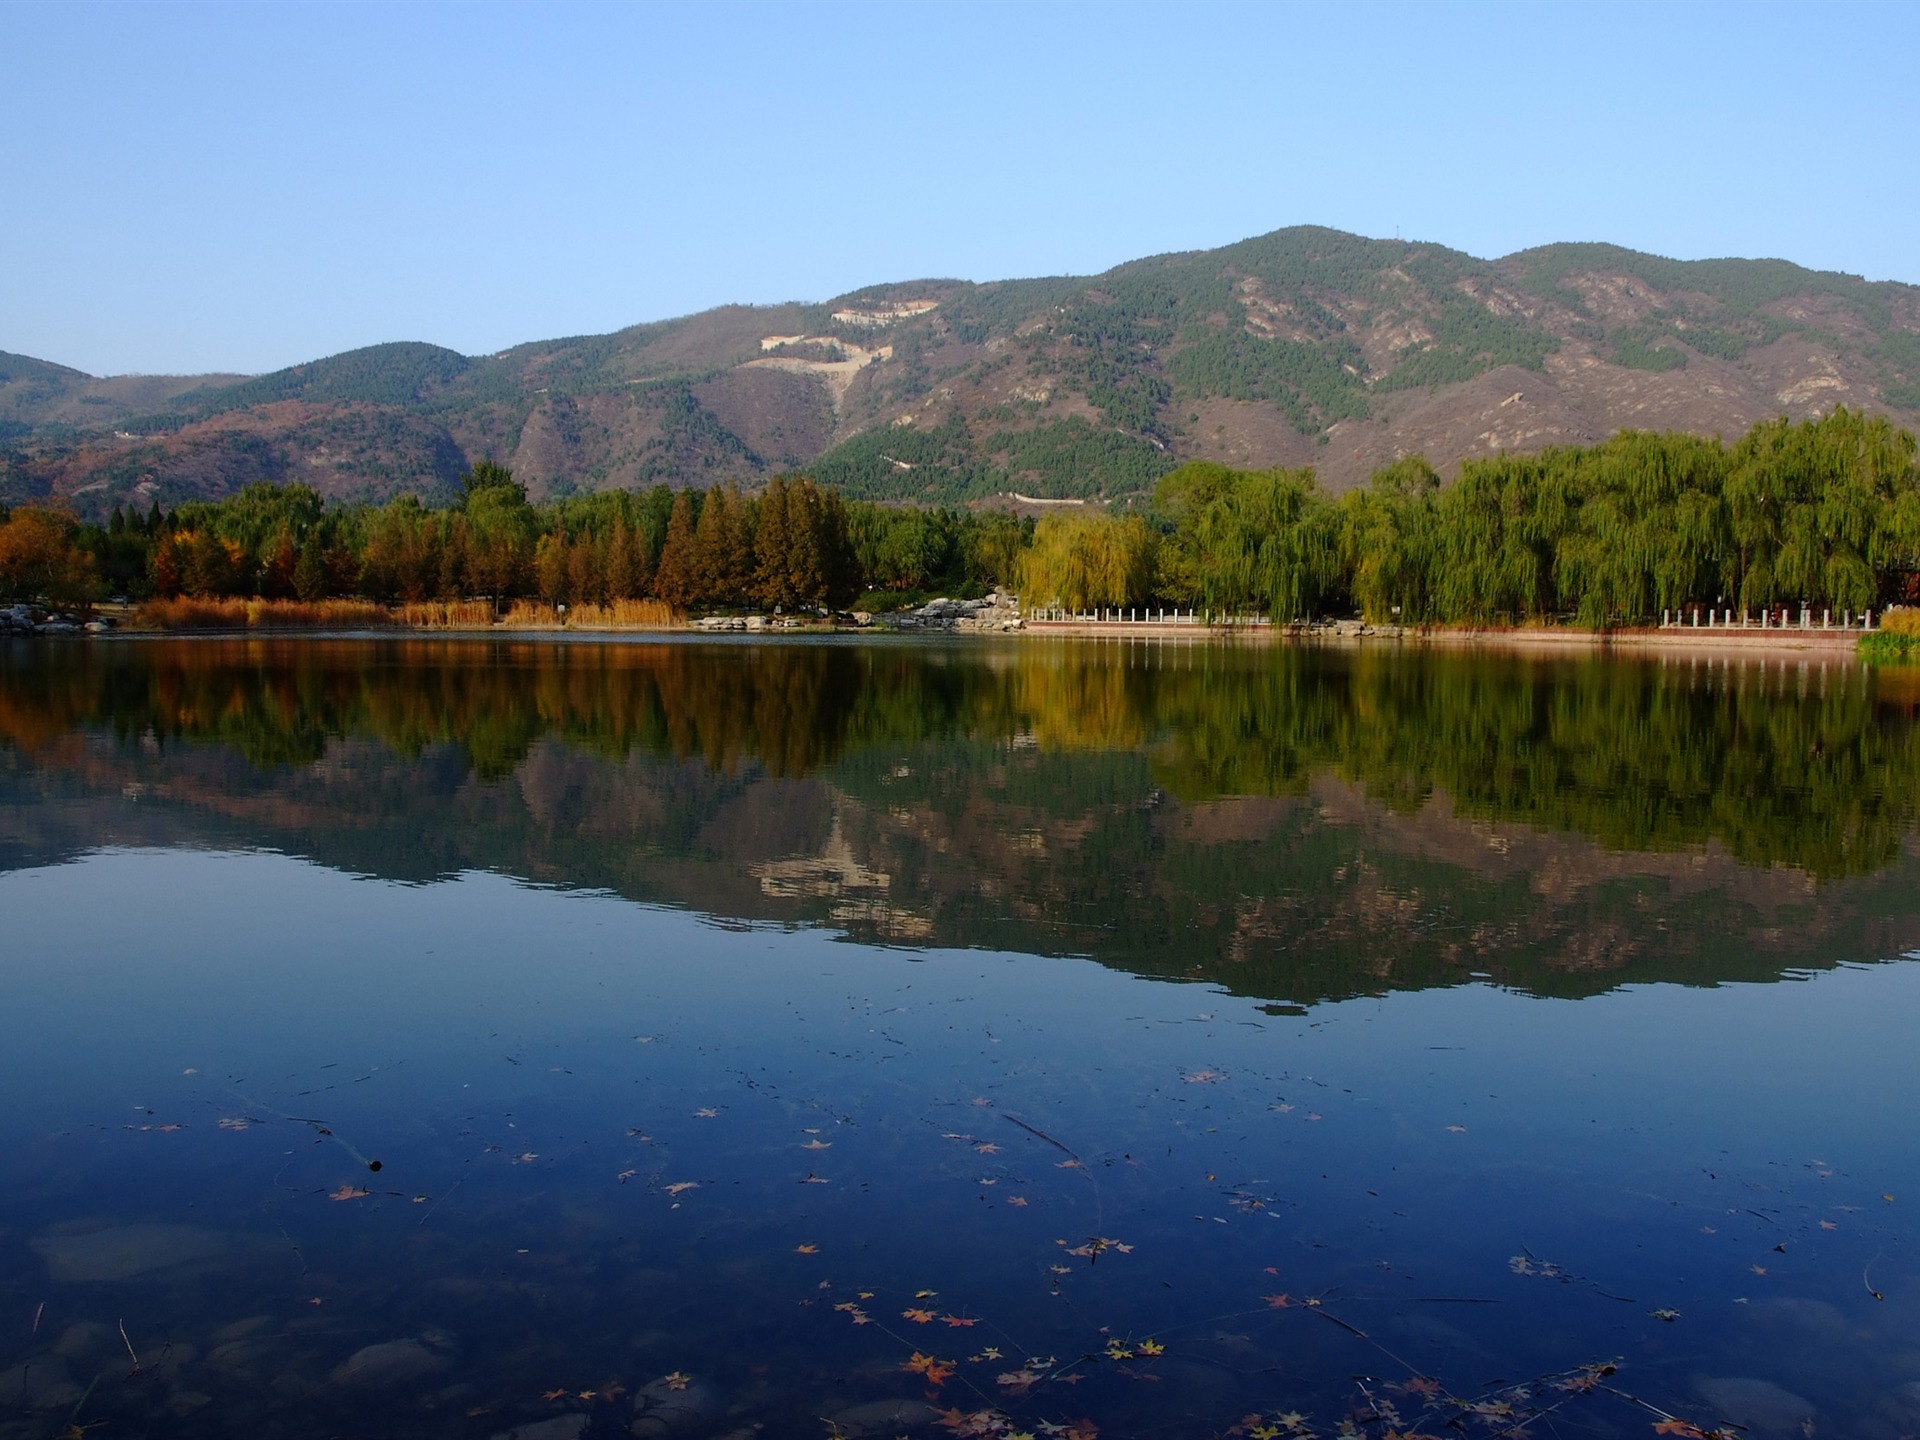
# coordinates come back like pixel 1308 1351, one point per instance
pixel 675 1405
pixel 89 1340
pixel 1758 1405
pixel 123 1252
pixel 560 1427
pixel 40 1384
pixel 389 1365
pixel 883 1417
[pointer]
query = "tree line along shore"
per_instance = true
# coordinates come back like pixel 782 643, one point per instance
pixel 1822 513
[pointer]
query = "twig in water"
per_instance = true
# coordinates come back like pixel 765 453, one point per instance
pixel 129 1344
pixel 36 1316
pixel 1868 1283
pixel 1041 1133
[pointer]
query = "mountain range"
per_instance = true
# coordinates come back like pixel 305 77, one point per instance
pixel 1306 346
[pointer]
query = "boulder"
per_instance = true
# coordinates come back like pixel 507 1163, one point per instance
pixel 39 1384
pixel 1758 1406
pixel 389 1366
pixel 883 1417
pixel 560 1427
pixel 676 1405
pixel 123 1252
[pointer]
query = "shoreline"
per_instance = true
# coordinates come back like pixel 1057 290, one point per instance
pixel 1827 644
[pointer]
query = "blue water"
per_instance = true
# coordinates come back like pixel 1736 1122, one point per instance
pixel 703 1172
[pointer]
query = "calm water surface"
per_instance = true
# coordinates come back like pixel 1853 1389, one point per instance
pixel 462 1039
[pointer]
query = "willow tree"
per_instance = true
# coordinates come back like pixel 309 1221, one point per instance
pixel 1499 527
pixel 1085 562
pixel 1387 533
pixel 1247 539
pixel 1807 502
pixel 1646 529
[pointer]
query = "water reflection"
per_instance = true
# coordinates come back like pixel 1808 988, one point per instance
pixel 1292 823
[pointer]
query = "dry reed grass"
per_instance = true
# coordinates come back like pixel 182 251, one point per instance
pixel 187 613
pixel 614 615
pixel 1900 620
pixel 233 613
pixel 444 614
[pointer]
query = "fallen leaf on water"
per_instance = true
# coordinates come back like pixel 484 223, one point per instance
pixel 938 1372
pixel 806 1249
pixel 1758 1269
pixel 554 1395
pixel 680 1187
pixel 677 1380
pixel 347 1192
pixel 1828 1225
pixel 1152 1347
pixel 813 1179
pixel 987 1147
pixel 1202 1077
pixel 1665 1314
pixel 706 1112
pixel 919 1317
pixel 1278 1302
pixel 236 1124
pixel 1457 1129
pixel 818 1145
pixel 1022 1200
pixel 957 1322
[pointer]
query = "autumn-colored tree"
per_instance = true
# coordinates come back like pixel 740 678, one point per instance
pixel 722 562
pixel 453 558
pixel 771 585
pixel 167 566
pixel 550 568
pixel 276 573
pixel 673 581
pixel 213 566
pixel 626 562
pixel 587 571
pixel 39 559
pixel 310 578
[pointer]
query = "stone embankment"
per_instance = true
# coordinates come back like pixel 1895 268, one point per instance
pixel 33 620
pixel 997 612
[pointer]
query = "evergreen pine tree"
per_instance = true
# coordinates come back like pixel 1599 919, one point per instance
pixel 310 571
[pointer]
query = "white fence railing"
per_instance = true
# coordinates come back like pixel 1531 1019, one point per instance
pixel 1771 617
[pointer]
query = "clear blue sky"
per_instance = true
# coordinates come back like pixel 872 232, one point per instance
pixel 242 187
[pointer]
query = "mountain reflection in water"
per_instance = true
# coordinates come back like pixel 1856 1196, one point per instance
pixel 1294 824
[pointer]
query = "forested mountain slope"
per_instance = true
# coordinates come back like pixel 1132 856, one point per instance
pixel 1303 347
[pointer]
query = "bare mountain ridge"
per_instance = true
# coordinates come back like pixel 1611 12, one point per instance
pixel 1302 347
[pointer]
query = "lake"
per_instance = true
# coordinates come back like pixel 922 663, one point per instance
pixel 865 1038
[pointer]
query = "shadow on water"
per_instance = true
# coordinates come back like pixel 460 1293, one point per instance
pixel 1291 823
